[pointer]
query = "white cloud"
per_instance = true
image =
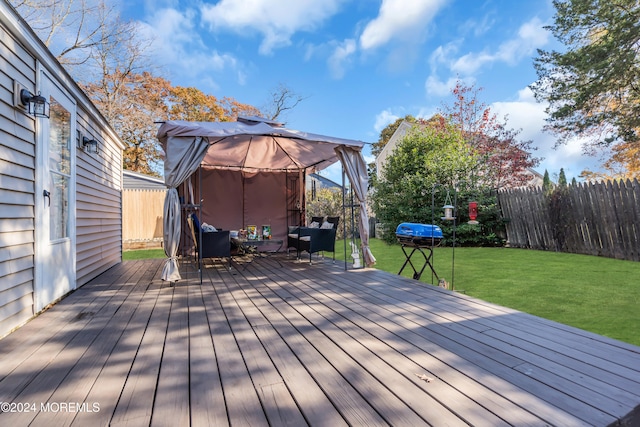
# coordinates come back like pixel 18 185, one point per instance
pixel 399 19
pixel 531 35
pixel 443 54
pixel 276 20
pixel 369 158
pixel 482 27
pixel 340 56
pixel 427 112
pixel 177 44
pixel 527 114
pixel 383 119
pixel 439 88
pixel 435 86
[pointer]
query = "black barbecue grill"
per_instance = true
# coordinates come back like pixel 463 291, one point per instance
pixel 418 237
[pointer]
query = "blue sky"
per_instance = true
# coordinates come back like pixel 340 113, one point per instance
pixel 361 64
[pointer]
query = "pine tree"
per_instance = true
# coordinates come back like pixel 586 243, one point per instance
pixel 562 179
pixel 546 182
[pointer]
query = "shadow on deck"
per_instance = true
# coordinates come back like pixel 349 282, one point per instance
pixel 288 343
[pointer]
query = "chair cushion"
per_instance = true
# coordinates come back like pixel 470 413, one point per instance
pixel 303 238
pixel 196 221
pixel 314 225
pixel 326 225
pixel 207 228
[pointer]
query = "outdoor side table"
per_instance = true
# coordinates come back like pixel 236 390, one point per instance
pixel 259 244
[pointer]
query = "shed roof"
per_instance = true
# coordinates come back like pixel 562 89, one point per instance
pixel 139 181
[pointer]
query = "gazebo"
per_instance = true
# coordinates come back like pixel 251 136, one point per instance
pixel 249 171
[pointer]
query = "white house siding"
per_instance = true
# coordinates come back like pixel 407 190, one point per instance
pixel 98 203
pixel 98 177
pixel 393 142
pixel 17 172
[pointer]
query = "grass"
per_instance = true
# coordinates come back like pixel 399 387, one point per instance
pixel 143 254
pixel 601 295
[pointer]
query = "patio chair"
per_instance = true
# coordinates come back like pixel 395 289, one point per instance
pixel 314 238
pixel 215 244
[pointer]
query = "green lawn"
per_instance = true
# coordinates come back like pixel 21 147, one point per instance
pixel 143 254
pixel 597 294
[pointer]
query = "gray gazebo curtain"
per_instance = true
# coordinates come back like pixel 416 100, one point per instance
pixel 356 170
pixel 183 157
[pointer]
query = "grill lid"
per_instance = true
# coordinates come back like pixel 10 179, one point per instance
pixel 409 233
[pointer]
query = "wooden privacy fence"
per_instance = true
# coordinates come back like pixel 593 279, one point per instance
pixel 142 218
pixel 595 219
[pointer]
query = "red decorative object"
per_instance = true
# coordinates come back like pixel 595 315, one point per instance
pixel 473 212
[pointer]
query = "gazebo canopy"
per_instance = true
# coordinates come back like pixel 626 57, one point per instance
pixel 256 146
pixel 251 146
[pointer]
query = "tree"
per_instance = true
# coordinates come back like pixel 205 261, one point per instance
pixel 592 87
pixel 562 179
pixel 233 109
pixel 134 102
pixel 547 186
pixel 328 202
pixel 506 160
pixel 131 103
pixel 281 99
pixel 108 58
pixel 72 29
pixel 387 133
pixel 425 157
pixel 623 164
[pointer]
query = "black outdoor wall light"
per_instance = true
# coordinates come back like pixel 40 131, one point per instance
pixel 89 145
pixel 36 105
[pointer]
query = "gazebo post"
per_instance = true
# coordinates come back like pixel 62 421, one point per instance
pixel 344 219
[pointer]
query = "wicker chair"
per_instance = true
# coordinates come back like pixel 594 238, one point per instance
pixel 314 239
pixel 215 244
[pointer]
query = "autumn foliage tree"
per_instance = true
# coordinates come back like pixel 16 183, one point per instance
pixel 623 164
pixel 505 160
pixel 107 56
pixel 134 103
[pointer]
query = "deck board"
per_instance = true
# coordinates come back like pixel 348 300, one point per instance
pixel 474 355
pixel 207 398
pixel 385 369
pixel 241 398
pixel 135 399
pixel 362 336
pixel 436 362
pixel 172 392
pixel 278 403
pixel 289 343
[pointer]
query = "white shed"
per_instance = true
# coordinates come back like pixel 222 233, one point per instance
pixel 60 203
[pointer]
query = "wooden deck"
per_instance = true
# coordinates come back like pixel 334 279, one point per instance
pixel 304 345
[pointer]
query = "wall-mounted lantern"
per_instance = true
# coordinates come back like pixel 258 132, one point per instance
pixel 473 213
pixel 36 105
pixel 89 145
